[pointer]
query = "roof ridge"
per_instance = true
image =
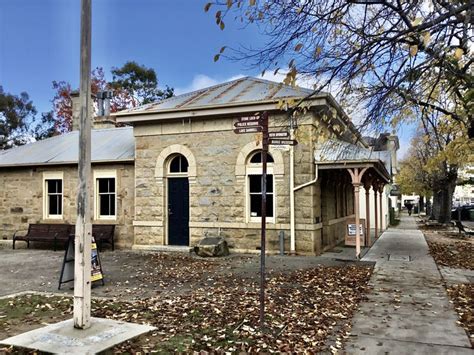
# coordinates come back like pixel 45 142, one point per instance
pixel 190 93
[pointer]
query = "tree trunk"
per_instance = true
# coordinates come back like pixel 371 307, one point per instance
pixel 443 200
pixel 422 204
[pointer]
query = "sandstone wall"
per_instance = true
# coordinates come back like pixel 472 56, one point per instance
pixel 21 199
pixel 218 184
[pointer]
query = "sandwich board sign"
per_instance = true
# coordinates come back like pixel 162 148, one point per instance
pixel 351 232
pixel 67 270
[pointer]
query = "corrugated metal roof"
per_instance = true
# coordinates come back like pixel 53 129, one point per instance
pixel 334 150
pixel 108 145
pixel 243 90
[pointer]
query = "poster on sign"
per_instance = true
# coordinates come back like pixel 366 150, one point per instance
pixel 351 232
pixel 67 270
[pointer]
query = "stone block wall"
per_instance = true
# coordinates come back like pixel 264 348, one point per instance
pixel 21 199
pixel 217 185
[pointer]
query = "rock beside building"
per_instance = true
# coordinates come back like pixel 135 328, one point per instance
pixel 212 247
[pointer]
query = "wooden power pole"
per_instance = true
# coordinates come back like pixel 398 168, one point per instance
pixel 82 242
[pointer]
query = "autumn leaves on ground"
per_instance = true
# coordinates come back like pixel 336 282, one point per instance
pixel 453 250
pixel 216 309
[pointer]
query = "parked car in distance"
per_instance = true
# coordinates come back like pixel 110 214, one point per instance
pixel 466 213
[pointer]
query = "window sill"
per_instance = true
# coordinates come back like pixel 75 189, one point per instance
pixel 53 217
pixel 259 220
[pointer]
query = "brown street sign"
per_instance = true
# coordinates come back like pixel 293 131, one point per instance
pixel 248 130
pixel 278 135
pixel 282 142
pixel 249 118
pixel 247 124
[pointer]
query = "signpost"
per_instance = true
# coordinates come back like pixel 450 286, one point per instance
pixel 254 124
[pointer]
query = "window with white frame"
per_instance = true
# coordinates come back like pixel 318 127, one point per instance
pixel 254 188
pixel 53 195
pixel 105 195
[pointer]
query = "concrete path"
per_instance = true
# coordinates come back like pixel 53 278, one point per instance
pixel 408 311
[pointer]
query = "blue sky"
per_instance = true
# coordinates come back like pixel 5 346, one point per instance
pixel 39 43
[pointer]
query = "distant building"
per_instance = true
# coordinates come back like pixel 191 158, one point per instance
pixel 179 173
pixel 464 191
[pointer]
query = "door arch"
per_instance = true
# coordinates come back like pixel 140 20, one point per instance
pixel 178 200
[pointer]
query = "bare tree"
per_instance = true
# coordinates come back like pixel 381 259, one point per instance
pixel 387 56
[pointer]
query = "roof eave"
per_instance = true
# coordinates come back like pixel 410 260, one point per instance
pixel 378 165
pixel 65 163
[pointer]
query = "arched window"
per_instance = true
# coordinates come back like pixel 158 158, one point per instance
pixel 254 187
pixel 257 158
pixel 178 164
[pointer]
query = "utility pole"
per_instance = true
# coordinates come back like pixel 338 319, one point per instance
pixel 292 189
pixel 82 241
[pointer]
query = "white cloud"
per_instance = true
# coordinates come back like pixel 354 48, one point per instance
pixel 201 81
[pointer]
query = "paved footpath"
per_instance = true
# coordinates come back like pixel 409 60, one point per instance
pixel 408 311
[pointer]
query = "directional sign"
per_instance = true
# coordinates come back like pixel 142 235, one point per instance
pixel 249 118
pixel 248 130
pixel 282 142
pixel 278 135
pixel 247 124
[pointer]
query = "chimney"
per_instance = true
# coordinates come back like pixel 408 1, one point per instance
pixel 76 109
pixel 103 120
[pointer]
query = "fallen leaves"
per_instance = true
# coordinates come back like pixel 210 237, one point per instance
pixel 463 298
pixel 455 254
pixel 215 309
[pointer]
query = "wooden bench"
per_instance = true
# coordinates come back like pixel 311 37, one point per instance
pixel 44 233
pixel 103 233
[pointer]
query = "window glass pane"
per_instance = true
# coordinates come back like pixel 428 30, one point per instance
pixel 106 185
pixel 255 182
pixel 111 183
pixel 112 205
pixel 53 204
pixel 179 164
pixel 257 158
pixel 269 183
pixel 60 204
pixel 269 205
pixel 184 164
pixel 54 186
pixel 255 205
pixel 103 185
pixel 104 201
pixel 174 166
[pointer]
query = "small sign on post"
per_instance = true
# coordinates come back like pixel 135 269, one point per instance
pixel 274 141
pixel 247 124
pixel 351 232
pixel 280 135
pixel 248 130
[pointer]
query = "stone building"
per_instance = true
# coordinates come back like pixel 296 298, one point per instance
pixel 194 172
pixel 181 173
pixel 39 182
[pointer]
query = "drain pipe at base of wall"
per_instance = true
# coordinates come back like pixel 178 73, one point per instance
pixel 293 189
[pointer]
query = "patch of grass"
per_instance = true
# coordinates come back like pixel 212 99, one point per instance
pixel 178 343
